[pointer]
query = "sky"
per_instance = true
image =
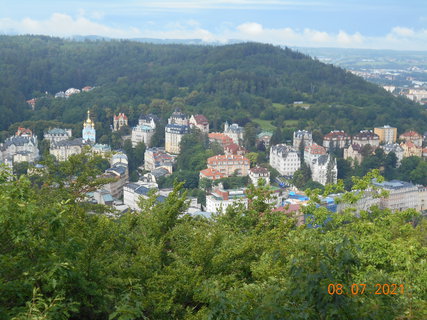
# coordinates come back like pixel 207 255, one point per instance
pixel 370 24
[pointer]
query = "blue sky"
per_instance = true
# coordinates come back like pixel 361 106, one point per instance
pixel 376 24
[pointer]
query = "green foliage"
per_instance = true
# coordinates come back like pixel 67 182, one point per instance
pixel 61 262
pixel 238 82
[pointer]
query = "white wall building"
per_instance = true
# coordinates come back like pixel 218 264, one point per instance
pixel 300 136
pixel 132 192
pixel 19 148
pixel 62 150
pixel 144 131
pixel 284 159
pixel 234 131
pixel 257 173
pixel 57 134
pixel 324 169
pixel 219 200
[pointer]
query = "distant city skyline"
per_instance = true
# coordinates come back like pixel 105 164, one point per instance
pixel 375 24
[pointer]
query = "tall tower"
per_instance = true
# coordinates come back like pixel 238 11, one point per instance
pixel 89 133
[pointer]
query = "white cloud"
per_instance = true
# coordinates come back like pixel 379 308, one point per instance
pixel 250 28
pixel 58 24
pixel 403 32
pixel 64 25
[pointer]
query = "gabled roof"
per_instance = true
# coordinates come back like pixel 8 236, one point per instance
pixel 201 119
pixel 336 135
pixel 212 173
pixel 259 170
pixel 411 134
pixel 315 149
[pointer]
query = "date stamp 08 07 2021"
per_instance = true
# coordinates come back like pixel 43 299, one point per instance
pixel 362 288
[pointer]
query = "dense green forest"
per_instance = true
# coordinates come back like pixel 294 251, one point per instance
pixel 62 259
pixel 240 82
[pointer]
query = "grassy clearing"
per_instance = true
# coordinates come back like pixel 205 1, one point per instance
pixel 265 124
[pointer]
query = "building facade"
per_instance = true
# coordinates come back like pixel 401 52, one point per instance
pixel 119 121
pixel 284 159
pixel 235 132
pixel 158 158
pixel 258 173
pixel 200 122
pixel 220 199
pixel 23 147
pixel 365 137
pixel 313 152
pixel 229 165
pixel 173 137
pixel 57 134
pixel 62 150
pixel 324 169
pixel 89 132
pixel 336 139
pixel 144 131
pixel 413 137
pixel 387 134
pixel 301 136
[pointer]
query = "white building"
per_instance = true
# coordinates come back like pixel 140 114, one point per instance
pixel 158 158
pixel 69 92
pixel 235 132
pixel 120 174
pixel 403 195
pixel 89 132
pixel 324 169
pixel 219 200
pixel 257 173
pixel 19 148
pixel 144 131
pixel 119 158
pixel 173 137
pixel 62 150
pixel 133 192
pixel 200 122
pixel 396 148
pixel 313 152
pixel 284 159
pixel 57 134
pixel 365 137
pixel 302 136
pixel 177 127
pixel 119 121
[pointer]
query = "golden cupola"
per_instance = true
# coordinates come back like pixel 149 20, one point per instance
pixel 88 121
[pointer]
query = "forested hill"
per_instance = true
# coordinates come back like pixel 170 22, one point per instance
pixel 237 82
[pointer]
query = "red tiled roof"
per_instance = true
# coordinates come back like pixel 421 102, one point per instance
pixel 121 115
pixel 336 135
pixel 260 170
pixel 22 131
pixel 234 148
pixel 288 208
pixel 211 173
pixel 220 138
pixel 315 149
pixel 201 119
pixel 411 134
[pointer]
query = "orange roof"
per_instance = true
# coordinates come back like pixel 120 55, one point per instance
pixel 336 135
pixel 220 137
pixel 411 134
pixel 315 149
pixel 211 174
pixel 22 131
pixel 121 115
pixel 201 119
